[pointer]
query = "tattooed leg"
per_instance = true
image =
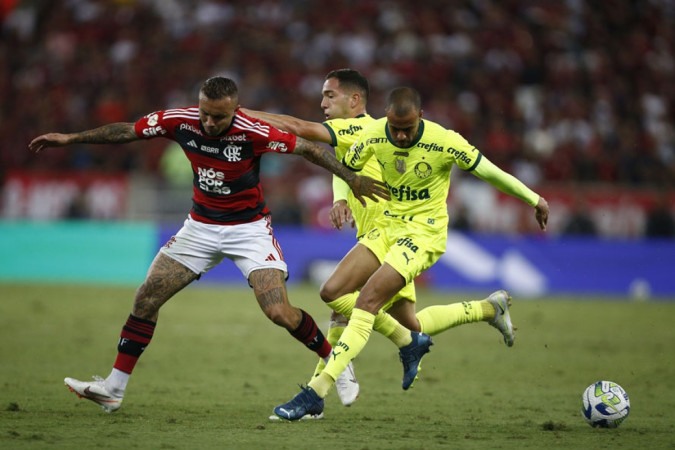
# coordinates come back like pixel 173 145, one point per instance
pixel 270 291
pixel 165 278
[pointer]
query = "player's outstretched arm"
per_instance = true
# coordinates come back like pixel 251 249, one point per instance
pixel 312 131
pixel 114 133
pixel 511 185
pixel 362 186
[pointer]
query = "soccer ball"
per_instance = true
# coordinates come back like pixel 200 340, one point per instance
pixel 605 404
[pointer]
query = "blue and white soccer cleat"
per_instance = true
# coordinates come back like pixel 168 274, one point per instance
pixel 307 402
pixel 411 356
pixel 275 418
pixel 501 300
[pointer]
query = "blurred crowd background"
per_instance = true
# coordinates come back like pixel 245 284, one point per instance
pixel 574 98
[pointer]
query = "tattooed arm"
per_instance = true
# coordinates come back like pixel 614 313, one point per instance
pixel 114 133
pixel 362 186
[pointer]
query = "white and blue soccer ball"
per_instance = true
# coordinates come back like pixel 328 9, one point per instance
pixel 605 404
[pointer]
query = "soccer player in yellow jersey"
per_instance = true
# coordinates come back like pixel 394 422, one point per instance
pixel 415 157
pixel 344 100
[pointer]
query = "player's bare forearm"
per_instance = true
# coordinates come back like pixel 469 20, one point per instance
pixel 321 157
pixel 114 133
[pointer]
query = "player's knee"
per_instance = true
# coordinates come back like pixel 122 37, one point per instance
pixel 280 316
pixel 330 291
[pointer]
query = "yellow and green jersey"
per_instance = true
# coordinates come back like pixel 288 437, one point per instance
pixel 418 177
pixel 344 132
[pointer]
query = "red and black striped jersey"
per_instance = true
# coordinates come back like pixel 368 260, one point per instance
pixel 226 168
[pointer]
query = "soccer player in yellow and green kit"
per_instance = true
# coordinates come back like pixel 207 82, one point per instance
pixel 344 103
pixel 415 157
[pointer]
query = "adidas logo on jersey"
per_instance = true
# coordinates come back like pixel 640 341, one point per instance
pixel 192 143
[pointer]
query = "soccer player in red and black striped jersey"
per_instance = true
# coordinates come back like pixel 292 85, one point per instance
pixel 228 219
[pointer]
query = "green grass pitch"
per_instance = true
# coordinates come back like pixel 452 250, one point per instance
pixel 217 367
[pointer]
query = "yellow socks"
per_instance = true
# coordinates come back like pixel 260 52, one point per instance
pixel 333 335
pixel 390 328
pixel 384 323
pixel 438 318
pixel 344 304
pixel 352 341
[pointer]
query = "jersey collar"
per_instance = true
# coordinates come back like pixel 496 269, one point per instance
pixel 420 132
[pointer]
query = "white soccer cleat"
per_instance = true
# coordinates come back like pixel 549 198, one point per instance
pixel 501 300
pixel 347 386
pixel 96 392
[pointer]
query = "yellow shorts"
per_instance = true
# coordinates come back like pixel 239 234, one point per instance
pixel 365 219
pixel 409 247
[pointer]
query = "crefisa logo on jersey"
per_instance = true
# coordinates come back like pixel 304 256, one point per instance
pixel 460 155
pixel 406 193
pixel 352 130
pixel 407 243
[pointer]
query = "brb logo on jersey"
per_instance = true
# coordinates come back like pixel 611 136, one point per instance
pixel 213 181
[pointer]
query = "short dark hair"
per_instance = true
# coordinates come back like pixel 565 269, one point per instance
pixel 353 79
pixel 402 100
pixel 219 87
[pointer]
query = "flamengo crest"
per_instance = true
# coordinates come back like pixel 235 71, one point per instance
pixel 232 153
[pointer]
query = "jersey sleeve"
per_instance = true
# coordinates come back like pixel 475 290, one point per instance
pixel 266 137
pixel 465 155
pixel 281 141
pixel 152 125
pixel 331 131
pixel 505 182
pixel 357 155
pixel 340 189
